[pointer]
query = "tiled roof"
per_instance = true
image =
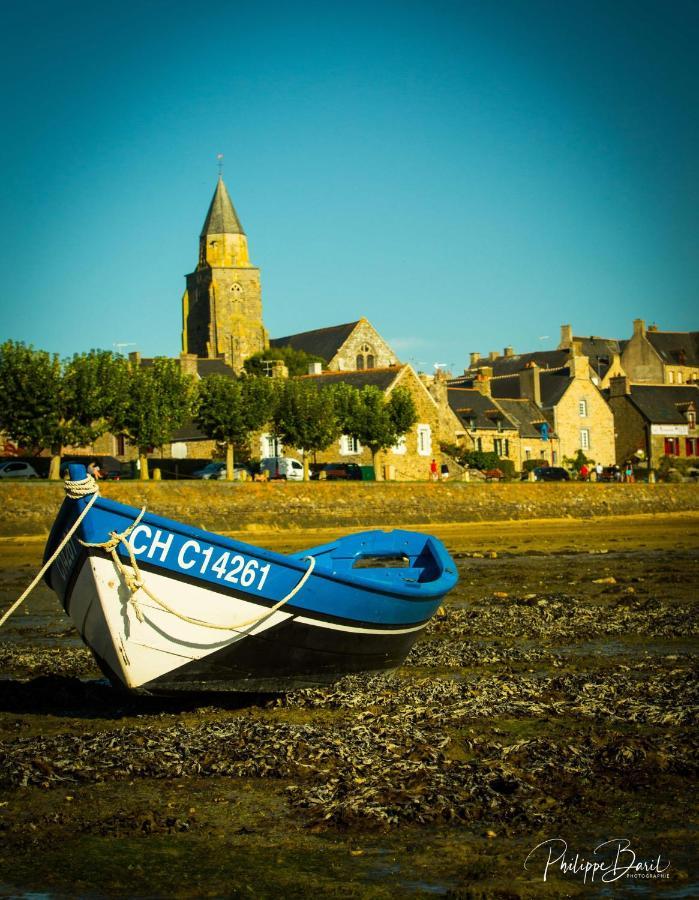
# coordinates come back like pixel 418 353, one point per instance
pixel 323 342
pixel 600 351
pixel 525 414
pixel 221 217
pixel 380 378
pixel 664 404
pixel 678 348
pixel 553 386
pixel 508 365
pixel 469 404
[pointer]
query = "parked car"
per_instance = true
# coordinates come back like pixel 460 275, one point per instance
pixel 216 471
pixel 282 467
pixel 336 471
pixel 551 473
pixel 17 469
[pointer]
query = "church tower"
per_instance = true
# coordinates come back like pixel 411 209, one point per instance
pixel 222 304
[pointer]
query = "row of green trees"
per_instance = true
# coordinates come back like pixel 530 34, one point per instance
pixel 49 403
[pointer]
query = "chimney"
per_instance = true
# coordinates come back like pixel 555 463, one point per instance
pixel 653 327
pixel 619 386
pixel 639 328
pixel 475 356
pixel 566 337
pixel 530 383
pixel 578 365
pixel 188 363
pixel 508 352
pixel 437 386
pixel 315 368
pixel 135 357
pixel 493 355
pixel 278 369
pixel 482 380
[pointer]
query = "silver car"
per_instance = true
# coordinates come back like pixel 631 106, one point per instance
pixel 16 469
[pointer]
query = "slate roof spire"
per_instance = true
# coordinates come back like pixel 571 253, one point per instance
pixel 221 217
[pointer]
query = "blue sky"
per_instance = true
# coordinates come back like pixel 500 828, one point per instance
pixel 466 175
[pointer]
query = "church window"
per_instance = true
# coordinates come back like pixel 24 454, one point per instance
pixel 582 408
pixel 585 438
pixel 366 358
pixel 236 288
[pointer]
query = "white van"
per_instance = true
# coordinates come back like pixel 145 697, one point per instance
pixel 282 467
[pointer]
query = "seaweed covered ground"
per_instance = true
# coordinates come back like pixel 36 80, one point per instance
pixel 553 699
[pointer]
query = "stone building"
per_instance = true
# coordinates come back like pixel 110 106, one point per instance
pixel 515 429
pixel 410 459
pixel 222 304
pixel 654 420
pixel 661 357
pixel 560 383
pixel 355 345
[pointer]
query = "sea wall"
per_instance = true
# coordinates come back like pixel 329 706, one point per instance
pixel 30 508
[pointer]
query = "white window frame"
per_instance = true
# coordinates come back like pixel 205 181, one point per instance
pixel 424 440
pixel 400 448
pixel 582 408
pixel 349 446
pixel 268 445
pixel 584 438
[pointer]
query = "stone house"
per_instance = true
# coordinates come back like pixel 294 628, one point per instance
pixel 515 429
pixel 410 459
pixel 354 345
pixel 661 357
pixel 560 383
pixel 654 420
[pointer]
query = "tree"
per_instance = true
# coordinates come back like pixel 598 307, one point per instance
pixel 159 399
pixel 296 361
pixel 305 418
pixel 229 409
pixel 51 404
pixel 379 423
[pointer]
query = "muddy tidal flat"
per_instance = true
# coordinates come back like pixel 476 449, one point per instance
pixel 554 700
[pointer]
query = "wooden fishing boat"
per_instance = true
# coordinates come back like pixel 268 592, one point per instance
pixel 164 606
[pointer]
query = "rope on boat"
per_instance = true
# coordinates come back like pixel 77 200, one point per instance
pixel 75 490
pixel 134 582
pixel 133 579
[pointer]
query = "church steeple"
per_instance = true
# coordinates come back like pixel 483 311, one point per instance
pixel 222 305
pixel 221 217
pixel 222 241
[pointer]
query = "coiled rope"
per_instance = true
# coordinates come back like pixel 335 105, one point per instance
pixel 133 579
pixel 75 490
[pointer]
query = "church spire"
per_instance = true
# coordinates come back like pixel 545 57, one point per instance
pixel 221 217
pixel 222 241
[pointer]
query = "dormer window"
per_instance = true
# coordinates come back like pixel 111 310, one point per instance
pixel 691 418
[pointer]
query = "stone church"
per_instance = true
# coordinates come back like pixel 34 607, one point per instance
pixel 222 306
pixel 222 303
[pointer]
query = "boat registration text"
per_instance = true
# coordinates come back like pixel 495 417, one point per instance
pixel 198 558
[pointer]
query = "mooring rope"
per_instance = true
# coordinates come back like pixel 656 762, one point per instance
pixel 134 583
pixel 75 490
pixel 134 580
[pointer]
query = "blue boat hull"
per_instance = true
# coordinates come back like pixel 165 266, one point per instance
pixel 178 608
